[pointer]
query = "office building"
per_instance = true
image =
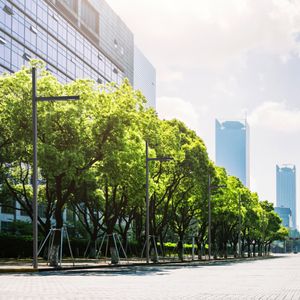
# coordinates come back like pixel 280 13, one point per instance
pixel 144 77
pixel 285 214
pixel 286 189
pixel 76 39
pixel 232 148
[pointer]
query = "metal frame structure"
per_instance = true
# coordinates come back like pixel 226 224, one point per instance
pixel 161 159
pixel 35 99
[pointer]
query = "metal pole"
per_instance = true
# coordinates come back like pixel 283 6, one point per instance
pixel 34 183
pixel 239 237
pixel 193 248
pixel 147 206
pixel 209 219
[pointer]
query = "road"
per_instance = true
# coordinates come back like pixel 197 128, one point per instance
pixel 277 278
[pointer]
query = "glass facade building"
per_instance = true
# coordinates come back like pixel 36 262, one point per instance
pixel 232 148
pixel 286 189
pixel 76 39
pixel 286 216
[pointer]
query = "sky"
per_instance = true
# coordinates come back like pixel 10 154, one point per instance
pixel 227 59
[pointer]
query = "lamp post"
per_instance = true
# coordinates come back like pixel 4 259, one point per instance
pixel 210 188
pixel 239 233
pixel 35 99
pixel 147 196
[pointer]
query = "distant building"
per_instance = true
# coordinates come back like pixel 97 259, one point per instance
pixel 144 77
pixel 285 214
pixel 232 148
pixel 286 189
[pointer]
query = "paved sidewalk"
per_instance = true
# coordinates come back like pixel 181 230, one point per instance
pixel 270 279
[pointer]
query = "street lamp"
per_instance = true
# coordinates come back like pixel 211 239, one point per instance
pixel 35 98
pixel 239 233
pixel 210 188
pixel 161 159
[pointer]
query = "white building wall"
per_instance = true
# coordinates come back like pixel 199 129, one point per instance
pixel 144 77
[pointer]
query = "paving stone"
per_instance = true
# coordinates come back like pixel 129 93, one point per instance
pixel 270 279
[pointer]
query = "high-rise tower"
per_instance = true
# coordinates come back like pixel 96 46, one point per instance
pixel 286 189
pixel 232 148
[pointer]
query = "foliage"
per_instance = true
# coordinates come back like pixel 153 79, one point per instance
pixel 91 157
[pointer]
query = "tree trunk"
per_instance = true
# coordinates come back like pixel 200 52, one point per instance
pixel 180 248
pixel 249 247
pixel 253 249
pixel 225 249
pixel 55 249
pixel 112 246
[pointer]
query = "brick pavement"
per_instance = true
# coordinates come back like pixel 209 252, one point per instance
pixel 277 278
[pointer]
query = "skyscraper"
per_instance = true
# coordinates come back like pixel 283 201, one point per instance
pixel 232 148
pixel 286 189
pixel 285 214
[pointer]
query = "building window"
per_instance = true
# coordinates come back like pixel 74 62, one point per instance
pixel 8 207
pixel 6 226
pixel 8 10
pixel 89 16
pixel 23 213
pixel 72 4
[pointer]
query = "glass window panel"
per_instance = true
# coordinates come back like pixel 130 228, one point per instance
pixel 52 49
pixel 52 23
pixel 62 31
pixel 42 13
pixel 18 27
pixel 71 38
pixel 9 208
pixel 89 16
pixel 42 43
pixel 79 45
pixel 87 52
pixel 62 59
pixel 5 20
pixel 72 4
pixel 5 53
pixel 71 68
pixel 31 7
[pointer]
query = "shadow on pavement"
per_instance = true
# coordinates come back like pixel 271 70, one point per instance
pixel 138 270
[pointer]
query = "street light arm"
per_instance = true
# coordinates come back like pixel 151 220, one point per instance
pixel 214 187
pixel 58 98
pixel 162 159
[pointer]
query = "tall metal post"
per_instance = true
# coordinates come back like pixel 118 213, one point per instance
pixel 34 182
pixel 35 99
pixel 147 205
pixel 209 219
pixel 239 233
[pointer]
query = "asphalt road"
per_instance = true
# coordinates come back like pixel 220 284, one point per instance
pixel 277 278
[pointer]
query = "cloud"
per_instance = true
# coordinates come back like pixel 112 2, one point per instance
pixel 173 107
pixel 275 116
pixel 211 33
